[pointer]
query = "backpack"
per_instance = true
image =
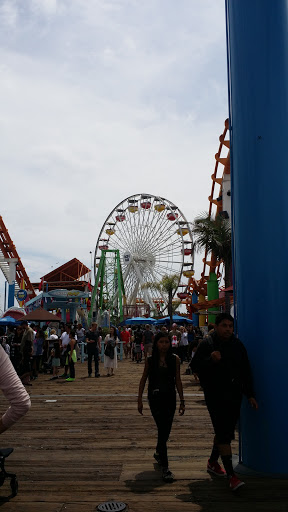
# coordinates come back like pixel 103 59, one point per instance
pixel 109 350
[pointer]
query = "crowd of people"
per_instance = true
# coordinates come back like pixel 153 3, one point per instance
pixel 48 349
pixel 217 358
pixel 138 341
pixel 34 348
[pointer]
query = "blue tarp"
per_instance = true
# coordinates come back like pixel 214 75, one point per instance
pixel 9 320
pixel 138 320
pixel 176 319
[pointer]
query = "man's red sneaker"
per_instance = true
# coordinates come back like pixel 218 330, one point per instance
pixel 235 483
pixel 215 469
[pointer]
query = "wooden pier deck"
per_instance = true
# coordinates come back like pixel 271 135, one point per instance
pixel 84 443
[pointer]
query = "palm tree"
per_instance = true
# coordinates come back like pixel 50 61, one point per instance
pixel 168 285
pixel 214 235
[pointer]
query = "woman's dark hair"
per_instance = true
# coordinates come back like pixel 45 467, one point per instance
pixel 155 351
pixel 115 332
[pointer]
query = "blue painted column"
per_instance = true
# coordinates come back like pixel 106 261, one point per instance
pixel 73 313
pixel 195 317
pixel 257 33
pixel 11 294
pixel 11 280
pixel 63 314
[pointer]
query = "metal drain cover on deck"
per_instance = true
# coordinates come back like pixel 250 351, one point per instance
pixel 109 506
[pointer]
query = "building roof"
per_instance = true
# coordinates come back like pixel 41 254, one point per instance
pixel 41 315
pixel 70 271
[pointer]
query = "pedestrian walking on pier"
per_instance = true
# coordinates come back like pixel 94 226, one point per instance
pixel 110 352
pixel 222 364
pixel 163 372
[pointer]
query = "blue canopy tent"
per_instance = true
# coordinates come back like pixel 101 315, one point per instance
pixel 138 320
pixel 176 319
pixel 9 321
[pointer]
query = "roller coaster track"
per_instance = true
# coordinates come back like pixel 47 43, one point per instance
pixel 7 252
pixel 222 167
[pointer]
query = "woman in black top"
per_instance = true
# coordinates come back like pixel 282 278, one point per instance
pixel 163 372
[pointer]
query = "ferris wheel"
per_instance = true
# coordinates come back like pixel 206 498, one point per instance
pixel 154 239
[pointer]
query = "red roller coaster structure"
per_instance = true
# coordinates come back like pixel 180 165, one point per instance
pixel 215 207
pixel 8 252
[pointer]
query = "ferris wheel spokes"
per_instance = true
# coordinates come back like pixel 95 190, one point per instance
pixel 147 231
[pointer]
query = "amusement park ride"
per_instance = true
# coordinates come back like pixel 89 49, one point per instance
pixel 12 267
pixel 220 204
pixel 109 285
pixel 143 239
pixel 66 288
pixel 153 239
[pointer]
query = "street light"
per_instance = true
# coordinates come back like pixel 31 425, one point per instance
pixel 91 267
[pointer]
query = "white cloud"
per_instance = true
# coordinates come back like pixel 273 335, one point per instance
pixel 101 100
pixel 8 14
pixel 46 7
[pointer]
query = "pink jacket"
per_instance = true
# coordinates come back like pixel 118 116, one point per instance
pixel 13 390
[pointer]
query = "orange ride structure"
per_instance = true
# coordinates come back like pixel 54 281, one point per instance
pixel 66 287
pixel 219 204
pixel 13 269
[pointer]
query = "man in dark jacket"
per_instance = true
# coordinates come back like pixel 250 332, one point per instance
pixel 222 364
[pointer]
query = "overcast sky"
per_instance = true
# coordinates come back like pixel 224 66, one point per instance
pixel 102 99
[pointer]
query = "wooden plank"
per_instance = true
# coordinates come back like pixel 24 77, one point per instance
pixel 91 445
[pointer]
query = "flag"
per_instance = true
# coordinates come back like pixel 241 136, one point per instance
pixel 89 286
pixel 41 284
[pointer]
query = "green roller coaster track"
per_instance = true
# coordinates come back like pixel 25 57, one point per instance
pixel 109 285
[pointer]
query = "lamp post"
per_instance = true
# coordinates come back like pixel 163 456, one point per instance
pixel 91 267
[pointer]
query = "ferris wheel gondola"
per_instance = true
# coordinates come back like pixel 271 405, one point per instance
pixel 153 238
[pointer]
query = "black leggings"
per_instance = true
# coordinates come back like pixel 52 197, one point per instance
pixel 36 365
pixel 72 369
pixel 163 406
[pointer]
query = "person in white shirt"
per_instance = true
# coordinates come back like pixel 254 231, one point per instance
pixel 13 391
pixel 65 338
pixel 80 336
pixel 183 344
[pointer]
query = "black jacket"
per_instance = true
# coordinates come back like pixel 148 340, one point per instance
pixel 230 376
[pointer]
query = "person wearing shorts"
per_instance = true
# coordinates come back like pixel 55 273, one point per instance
pixel 125 338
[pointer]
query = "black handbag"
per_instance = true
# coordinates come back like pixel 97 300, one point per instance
pixel 109 350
